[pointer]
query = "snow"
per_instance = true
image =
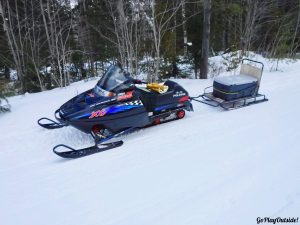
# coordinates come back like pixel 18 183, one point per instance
pixel 212 167
pixel 236 80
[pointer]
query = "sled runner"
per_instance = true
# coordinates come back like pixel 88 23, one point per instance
pixel 237 91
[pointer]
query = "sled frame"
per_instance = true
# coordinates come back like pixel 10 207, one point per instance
pixel 208 99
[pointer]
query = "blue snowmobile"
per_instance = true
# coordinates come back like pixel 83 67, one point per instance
pixel 118 105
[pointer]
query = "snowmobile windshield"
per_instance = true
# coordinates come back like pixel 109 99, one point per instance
pixel 113 78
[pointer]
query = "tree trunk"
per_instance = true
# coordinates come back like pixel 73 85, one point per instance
pixel 6 72
pixel 12 42
pixel 185 39
pixel 205 40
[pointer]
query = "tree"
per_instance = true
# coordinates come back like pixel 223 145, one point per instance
pixel 12 29
pixel 205 39
pixel 6 60
pixel 58 23
pixel 184 29
pixel 4 107
pixel 144 35
pixel 159 17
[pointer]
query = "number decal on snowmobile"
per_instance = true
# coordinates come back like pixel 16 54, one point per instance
pixel 98 113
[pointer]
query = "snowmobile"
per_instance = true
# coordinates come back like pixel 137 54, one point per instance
pixel 117 105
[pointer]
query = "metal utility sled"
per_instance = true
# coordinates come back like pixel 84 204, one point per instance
pixel 236 91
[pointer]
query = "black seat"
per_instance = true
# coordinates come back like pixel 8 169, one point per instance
pixel 148 98
pixel 171 85
pixel 153 100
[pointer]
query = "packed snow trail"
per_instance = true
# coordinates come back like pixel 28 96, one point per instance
pixel 212 167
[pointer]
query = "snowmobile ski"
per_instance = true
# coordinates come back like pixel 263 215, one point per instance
pixel 74 154
pixel 100 145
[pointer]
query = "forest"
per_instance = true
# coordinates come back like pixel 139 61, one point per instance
pixel 50 43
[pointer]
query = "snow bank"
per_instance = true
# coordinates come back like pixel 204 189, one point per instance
pixel 212 167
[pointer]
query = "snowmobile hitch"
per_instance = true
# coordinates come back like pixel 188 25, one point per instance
pixel 206 100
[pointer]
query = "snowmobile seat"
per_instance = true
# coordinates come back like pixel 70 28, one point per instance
pixel 147 97
pixel 171 85
pixel 155 101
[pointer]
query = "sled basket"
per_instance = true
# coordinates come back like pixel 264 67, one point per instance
pixel 236 91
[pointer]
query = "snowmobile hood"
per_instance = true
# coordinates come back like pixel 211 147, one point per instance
pixel 81 104
pixel 106 91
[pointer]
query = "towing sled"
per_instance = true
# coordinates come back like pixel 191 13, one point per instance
pixel 237 91
pixel 117 105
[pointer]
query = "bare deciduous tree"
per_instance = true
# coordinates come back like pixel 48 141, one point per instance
pixel 205 39
pixel 57 27
pixel 159 20
pixel 12 30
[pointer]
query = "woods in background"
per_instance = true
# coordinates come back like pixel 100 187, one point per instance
pixel 50 43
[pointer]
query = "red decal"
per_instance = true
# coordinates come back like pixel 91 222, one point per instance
pixel 94 114
pixel 184 98
pixel 98 113
pixel 127 95
pixel 110 94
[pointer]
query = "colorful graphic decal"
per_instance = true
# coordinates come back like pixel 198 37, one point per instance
pixel 114 109
pixel 125 107
pixel 121 108
pixel 98 113
pixel 127 95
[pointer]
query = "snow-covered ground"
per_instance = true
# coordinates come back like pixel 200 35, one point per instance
pixel 212 167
